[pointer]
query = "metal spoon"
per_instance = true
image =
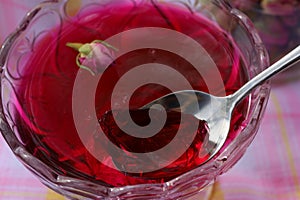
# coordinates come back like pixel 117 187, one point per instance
pixel 217 111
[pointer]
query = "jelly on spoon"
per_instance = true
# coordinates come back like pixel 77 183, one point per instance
pixel 217 111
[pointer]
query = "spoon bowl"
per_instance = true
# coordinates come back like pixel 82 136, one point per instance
pixel 217 111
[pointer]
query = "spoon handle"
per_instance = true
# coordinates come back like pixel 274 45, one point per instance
pixel 282 64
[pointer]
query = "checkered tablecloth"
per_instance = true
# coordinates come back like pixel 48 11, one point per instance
pixel 270 169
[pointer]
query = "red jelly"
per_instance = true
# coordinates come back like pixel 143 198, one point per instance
pixel 44 118
pixel 188 160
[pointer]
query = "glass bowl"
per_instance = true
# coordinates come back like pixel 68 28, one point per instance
pixel 72 61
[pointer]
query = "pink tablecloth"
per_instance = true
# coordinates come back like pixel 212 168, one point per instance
pixel 270 169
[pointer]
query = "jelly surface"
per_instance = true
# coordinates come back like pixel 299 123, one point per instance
pixel 44 116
